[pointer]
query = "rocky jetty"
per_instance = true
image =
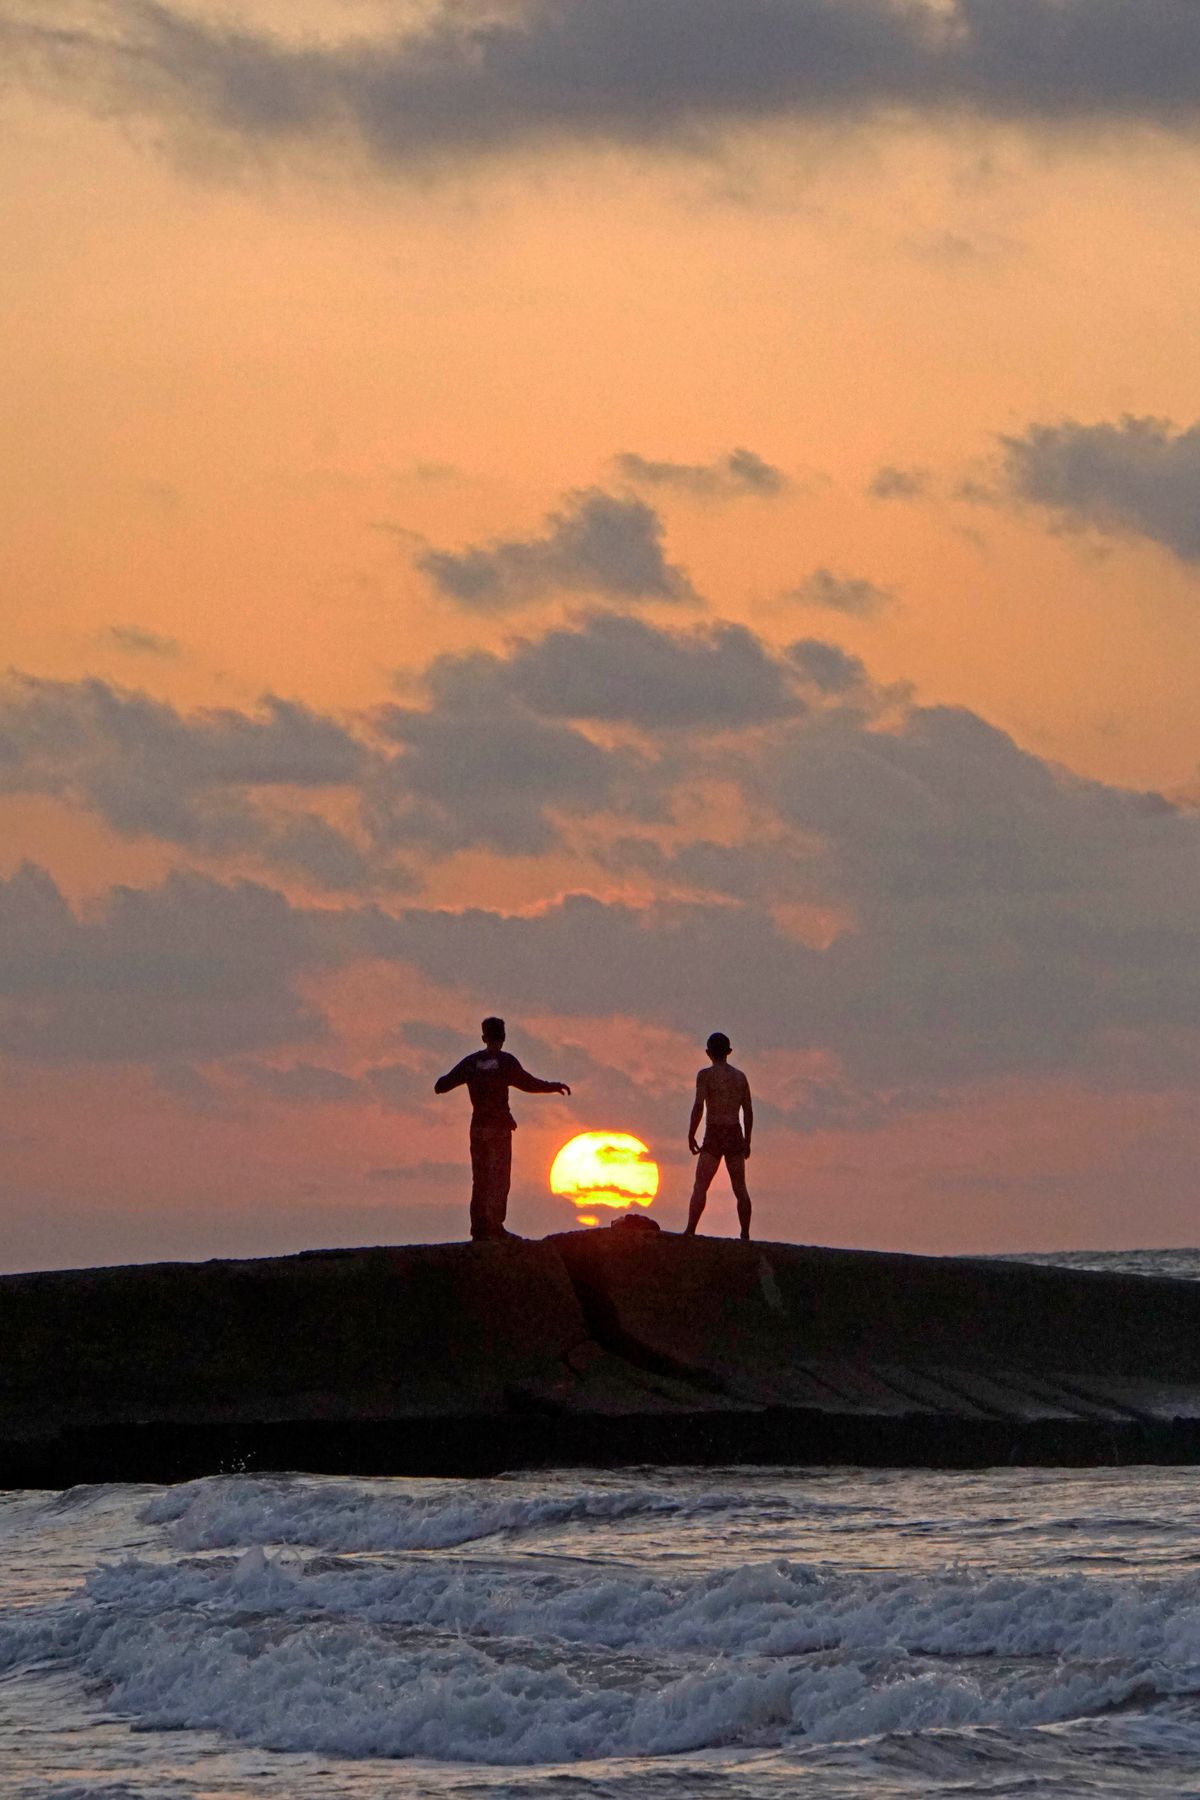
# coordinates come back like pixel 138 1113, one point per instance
pixel 588 1348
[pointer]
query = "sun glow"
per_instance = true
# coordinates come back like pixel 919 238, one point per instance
pixel 604 1168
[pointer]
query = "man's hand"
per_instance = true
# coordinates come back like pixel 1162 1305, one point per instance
pixel 746 1153
pixel 693 1146
pixel 560 1087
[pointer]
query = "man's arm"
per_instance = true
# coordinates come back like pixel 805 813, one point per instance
pixel 747 1114
pixel 697 1115
pixel 455 1078
pixel 529 1084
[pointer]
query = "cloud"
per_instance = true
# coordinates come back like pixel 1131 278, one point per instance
pixel 501 757
pixel 434 1040
pixel 476 768
pixel 144 767
pixel 190 969
pixel 304 1084
pixel 850 594
pixel 193 780
pixel 827 666
pixel 611 668
pixel 998 917
pixel 470 80
pixel 587 957
pixel 396 1086
pixel 894 483
pixel 820 868
pixel 740 472
pixel 596 543
pixel 1139 476
pixel 307 845
pixel 494 775
pixel 138 641
pixel 704 867
pixel 946 807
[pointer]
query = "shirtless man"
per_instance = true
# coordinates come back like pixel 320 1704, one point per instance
pixel 722 1094
pixel 487 1075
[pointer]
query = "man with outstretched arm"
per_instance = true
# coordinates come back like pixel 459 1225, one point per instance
pixel 723 1101
pixel 488 1074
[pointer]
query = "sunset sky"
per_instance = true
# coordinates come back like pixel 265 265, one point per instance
pixel 641 516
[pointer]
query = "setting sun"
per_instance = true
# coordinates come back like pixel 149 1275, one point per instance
pixel 604 1168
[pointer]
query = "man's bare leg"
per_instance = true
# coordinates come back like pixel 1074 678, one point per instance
pixel 706 1167
pixel 741 1193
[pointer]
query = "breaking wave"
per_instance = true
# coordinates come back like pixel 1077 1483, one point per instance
pixel 213 1514
pixel 353 1637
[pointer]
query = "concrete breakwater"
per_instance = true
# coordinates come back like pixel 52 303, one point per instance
pixel 591 1349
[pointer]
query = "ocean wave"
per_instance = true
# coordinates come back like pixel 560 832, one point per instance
pixel 764 1609
pixel 478 1662
pixel 219 1513
pixel 338 1691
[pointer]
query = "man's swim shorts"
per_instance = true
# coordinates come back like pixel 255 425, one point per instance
pixel 724 1140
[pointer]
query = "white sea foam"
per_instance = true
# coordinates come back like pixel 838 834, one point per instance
pixel 767 1610
pixel 215 1514
pixel 518 1661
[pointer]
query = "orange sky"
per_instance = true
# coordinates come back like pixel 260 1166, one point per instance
pixel 245 393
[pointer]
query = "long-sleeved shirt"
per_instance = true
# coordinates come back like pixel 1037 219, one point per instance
pixel 488 1075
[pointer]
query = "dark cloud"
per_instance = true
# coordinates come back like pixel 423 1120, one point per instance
pixel 434 1040
pixel 478 767
pixel 981 913
pixel 1138 476
pixel 396 1086
pixel 144 767
pixel 194 780
pixel 850 594
pixel 894 483
pixel 1000 917
pixel 773 868
pixel 191 1086
pixel 491 774
pixel 595 543
pixel 740 472
pixel 307 845
pixel 140 642
pixel 613 668
pixel 827 666
pixel 191 969
pixel 647 1104
pixel 584 956
pixel 466 80
pixel 947 808
pixel 302 1084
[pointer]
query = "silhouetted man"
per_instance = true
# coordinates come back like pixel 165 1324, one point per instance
pixel 488 1074
pixel 723 1100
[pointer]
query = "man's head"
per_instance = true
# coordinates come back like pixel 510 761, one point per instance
pixel 718 1046
pixel 493 1033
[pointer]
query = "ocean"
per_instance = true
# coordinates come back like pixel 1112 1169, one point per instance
pixel 741 1632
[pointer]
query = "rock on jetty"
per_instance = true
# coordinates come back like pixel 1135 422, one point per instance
pixel 589 1348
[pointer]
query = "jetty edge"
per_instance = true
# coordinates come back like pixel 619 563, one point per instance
pixel 594 1349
